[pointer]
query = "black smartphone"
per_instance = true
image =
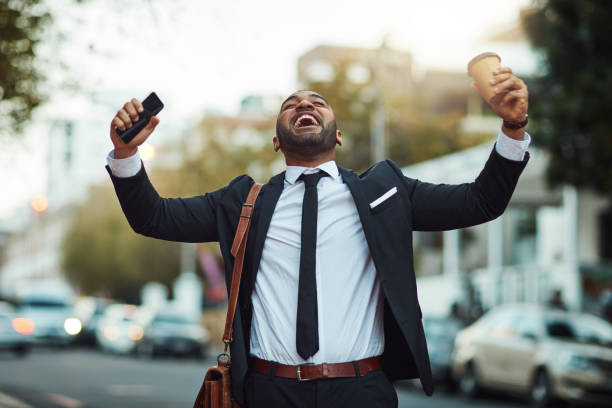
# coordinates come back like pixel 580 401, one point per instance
pixel 152 105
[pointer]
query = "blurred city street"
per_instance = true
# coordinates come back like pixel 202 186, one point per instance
pixel 470 245
pixel 49 378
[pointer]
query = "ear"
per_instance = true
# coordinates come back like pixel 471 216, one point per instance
pixel 276 143
pixel 338 137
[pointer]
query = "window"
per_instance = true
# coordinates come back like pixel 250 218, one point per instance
pixel 605 235
pixel 68 133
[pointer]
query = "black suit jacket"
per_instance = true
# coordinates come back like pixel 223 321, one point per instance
pixel 417 206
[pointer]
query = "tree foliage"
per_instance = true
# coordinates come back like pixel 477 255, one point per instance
pixel 102 255
pixel 21 25
pixel 572 98
pixel 417 132
pixel 220 149
pixel 415 129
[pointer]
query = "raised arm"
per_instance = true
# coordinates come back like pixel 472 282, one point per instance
pixel 438 207
pixel 175 219
pixel 190 219
pixel 443 206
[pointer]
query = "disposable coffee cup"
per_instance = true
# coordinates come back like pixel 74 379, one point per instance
pixel 481 68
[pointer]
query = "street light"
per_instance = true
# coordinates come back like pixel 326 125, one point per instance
pixel 147 151
pixel 39 203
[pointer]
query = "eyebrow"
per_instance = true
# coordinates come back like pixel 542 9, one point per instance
pixel 312 95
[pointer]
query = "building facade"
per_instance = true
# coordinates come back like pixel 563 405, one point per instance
pixel 547 240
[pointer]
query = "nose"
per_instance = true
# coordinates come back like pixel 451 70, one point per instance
pixel 304 104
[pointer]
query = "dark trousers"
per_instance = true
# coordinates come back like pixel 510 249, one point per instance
pixel 370 391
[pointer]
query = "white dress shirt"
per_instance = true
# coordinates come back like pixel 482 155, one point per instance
pixel 349 295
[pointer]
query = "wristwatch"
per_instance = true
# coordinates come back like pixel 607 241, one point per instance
pixel 517 125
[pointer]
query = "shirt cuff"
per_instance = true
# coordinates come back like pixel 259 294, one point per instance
pixel 127 167
pixel 512 149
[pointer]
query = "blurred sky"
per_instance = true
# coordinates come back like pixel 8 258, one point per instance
pixel 207 55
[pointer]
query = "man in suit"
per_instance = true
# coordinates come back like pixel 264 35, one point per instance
pixel 328 313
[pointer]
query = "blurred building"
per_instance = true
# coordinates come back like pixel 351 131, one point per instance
pixel 390 71
pixel 74 132
pixel 321 63
pixel 250 130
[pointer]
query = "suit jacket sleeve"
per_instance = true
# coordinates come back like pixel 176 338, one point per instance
pixel 438 207
pixel 190 219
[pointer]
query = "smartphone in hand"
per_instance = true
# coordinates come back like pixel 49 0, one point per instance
pixel 152 106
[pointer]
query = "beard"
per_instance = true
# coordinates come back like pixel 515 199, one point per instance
pixel 307 144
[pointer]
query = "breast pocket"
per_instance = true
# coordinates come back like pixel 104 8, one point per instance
pixel 385 201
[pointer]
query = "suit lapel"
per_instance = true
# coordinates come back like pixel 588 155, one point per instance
pixel 356 187
pixel 269 196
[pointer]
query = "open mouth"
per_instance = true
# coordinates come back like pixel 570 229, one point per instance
pixel 305 120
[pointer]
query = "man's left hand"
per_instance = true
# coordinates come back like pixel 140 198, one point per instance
pixel 510 99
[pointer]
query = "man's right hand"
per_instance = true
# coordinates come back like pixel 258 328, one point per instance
pixel 123 120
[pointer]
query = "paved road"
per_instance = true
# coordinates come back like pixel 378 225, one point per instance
pixel 90 379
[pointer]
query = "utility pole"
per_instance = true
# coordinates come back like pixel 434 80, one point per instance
pixel 378 144
pixel 378 148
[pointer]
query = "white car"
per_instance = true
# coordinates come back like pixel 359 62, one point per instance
pixel 541 353
pixel 118 330
pixel 52 316
pixel 172 332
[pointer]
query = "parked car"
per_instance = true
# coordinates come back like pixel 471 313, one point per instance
pixel 15 331
pixel 440 333
pixel 544 354
pixel 52 317
pixel 89 311
pixel 171 332
pixel 118 330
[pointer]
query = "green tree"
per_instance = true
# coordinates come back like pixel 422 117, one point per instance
pixel 101 253
pixel 220 149
pixel 417 132
pixel 21 25
pixel 572 98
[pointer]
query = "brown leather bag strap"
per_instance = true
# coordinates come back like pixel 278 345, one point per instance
pixel 238 250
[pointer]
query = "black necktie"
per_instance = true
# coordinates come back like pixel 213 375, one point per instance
pixel 307 333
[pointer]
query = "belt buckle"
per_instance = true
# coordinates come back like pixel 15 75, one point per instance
pixel 299 373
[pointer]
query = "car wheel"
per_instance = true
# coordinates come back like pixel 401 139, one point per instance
pixel 145 350
pixel 451 385
pixel 21 351
pixel 200 354
pixel 540 394
pixel 468 383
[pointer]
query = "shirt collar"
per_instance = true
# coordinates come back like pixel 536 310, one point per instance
pixel 294 172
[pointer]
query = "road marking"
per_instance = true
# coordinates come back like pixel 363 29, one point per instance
pixel 65 401
pixel 6 401
pixel 126 390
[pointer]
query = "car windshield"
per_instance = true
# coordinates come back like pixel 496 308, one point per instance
pixel 43 303
pixel 582 329
pixel 441 328
pixel 172 319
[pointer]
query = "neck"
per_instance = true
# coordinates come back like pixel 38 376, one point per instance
pixel 291 160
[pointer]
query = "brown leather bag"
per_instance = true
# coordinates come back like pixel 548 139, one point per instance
pixel 216 390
